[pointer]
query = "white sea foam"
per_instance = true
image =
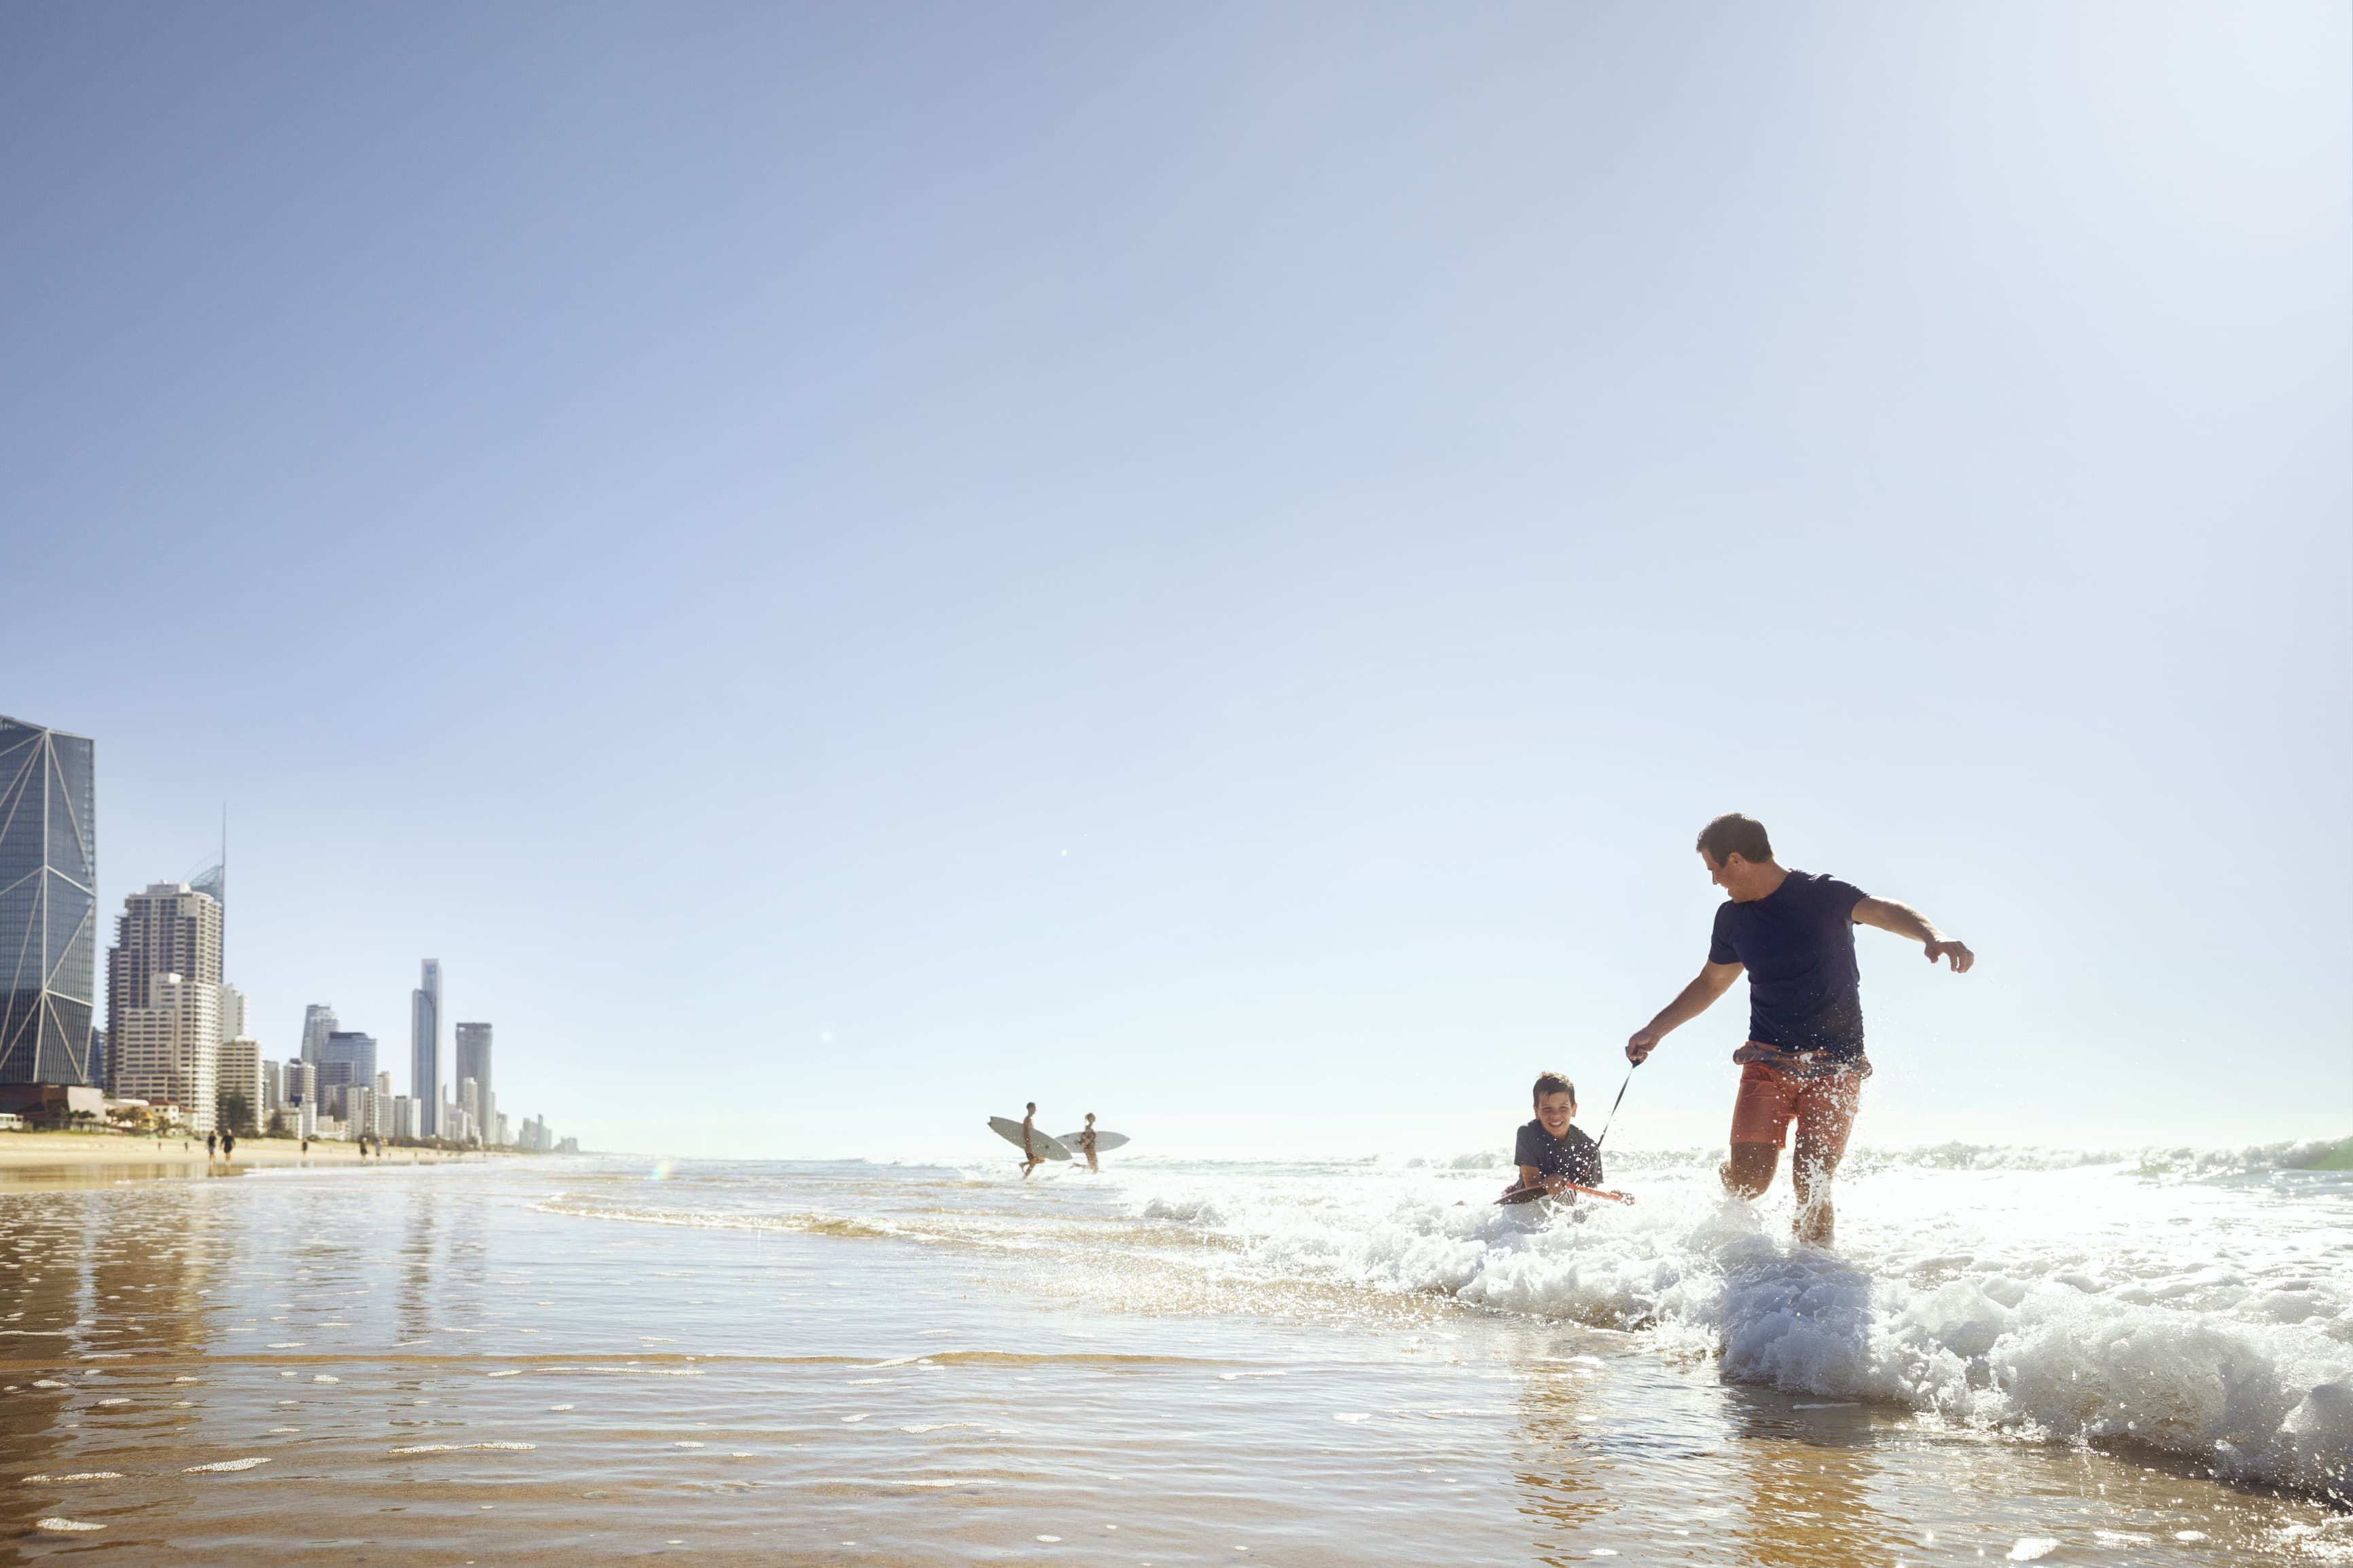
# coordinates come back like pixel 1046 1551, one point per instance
pixel 2197 1301
pixel 2199 1304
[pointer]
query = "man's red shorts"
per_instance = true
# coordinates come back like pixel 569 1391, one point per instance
pixel 1823 1106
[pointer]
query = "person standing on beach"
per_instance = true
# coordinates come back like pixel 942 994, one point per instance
pixel 1793 933
pixel 1087 1142
pixel 212 1145
pixel 228 1147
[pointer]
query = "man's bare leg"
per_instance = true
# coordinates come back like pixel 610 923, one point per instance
pixel 1810 1170
pixel 1750 1169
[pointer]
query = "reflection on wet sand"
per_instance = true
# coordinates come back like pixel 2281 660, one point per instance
pixel 42 1309
pixel 1802 1490
pixel 1556 1466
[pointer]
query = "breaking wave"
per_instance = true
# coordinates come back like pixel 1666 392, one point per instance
pixel 2199 1304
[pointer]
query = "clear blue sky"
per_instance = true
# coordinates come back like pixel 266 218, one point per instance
pixel 844 567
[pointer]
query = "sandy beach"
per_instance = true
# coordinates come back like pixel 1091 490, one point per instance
pixel 25 1154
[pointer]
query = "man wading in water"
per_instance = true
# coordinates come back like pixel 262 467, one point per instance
pixel 1793 932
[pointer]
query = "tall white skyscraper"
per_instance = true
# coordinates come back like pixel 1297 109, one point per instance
pixel 162 997
pixel 168 1052
pixel 425 1045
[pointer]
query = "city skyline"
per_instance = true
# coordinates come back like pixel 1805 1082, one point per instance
pixel 176 1032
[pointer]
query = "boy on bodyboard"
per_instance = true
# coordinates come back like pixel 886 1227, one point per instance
pixel 1554 1156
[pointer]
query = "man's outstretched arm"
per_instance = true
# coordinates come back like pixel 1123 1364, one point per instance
pixel 1695 999
pixel 1905 921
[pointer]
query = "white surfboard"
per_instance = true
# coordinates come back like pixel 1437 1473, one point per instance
pixel 1044 1143
pixel 1104 1140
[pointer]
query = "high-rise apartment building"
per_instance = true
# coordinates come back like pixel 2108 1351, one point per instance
pixel 473 1060
pixel 273 1091
pixel 162 1000
pixel 240 1077
pixel 167 1052
pixel 302 1091
pixel 425 1045
pixel 319 1021
pixel 347 1058
pixel 48 906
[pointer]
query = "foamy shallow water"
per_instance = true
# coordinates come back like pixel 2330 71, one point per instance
pixel 2039 1360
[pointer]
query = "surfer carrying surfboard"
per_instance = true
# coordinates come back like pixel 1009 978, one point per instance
pixel 1085 1142
pixel 1793 934
pixel 1032 1153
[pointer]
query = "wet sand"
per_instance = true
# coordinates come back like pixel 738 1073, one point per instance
pixel 467 1366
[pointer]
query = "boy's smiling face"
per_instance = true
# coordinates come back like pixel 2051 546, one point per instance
pixel 1554 1111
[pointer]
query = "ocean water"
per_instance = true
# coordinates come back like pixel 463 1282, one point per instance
pixel 2014 1356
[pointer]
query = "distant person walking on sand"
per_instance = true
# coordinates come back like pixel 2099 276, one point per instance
pixel 1087 1142
pixel 1793 933
pixel 228 1146
pixel 1032 1157
pixel 212 1145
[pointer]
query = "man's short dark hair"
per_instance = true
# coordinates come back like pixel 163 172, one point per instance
pixel 1554 1083
pixel 1733 833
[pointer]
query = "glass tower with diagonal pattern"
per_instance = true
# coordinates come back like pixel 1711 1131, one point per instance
pixel 48 905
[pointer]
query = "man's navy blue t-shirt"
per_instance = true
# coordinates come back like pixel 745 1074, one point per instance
pixel 1804 991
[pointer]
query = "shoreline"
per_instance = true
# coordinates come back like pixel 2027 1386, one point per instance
pixel 30 1153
